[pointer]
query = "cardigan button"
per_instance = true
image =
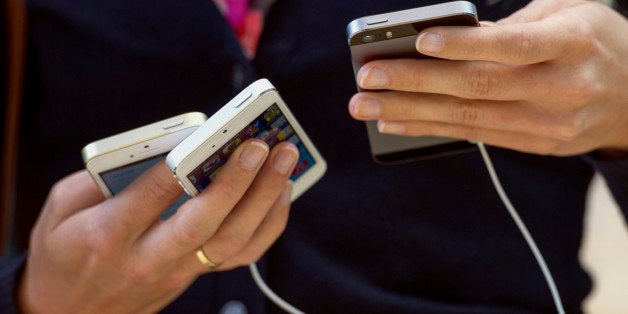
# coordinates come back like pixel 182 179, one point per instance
pixel 237 77
pixel 233 307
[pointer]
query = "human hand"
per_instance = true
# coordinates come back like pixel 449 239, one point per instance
pixel 549 79
pixel 93 255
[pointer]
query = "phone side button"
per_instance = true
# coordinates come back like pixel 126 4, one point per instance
pixel 179 181
pixel 183 187
pixel 244 98
pixel 172 124
pixel 377 21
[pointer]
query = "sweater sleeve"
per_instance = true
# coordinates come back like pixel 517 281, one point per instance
pixel 10 271
pixel 615 171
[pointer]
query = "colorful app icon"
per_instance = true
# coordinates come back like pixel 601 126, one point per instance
pixel 251 130
pixel 211 163
pixel 264 136
pixel 214 174
pixel 229 148
pixel 285 133
pixel 300 167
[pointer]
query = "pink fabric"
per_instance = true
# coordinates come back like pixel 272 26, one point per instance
pixel 254 22
pixel 236 13
pixel 246 19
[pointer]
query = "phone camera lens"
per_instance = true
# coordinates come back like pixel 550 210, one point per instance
pixel 368 38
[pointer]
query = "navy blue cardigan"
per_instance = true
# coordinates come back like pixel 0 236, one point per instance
pixel 424 237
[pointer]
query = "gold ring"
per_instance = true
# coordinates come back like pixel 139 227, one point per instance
pixel 203 258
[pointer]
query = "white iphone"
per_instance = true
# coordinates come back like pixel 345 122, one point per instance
pixel 393 36
pixel 114 162
pixel 256 112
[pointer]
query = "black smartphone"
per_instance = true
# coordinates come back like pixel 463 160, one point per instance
pixel 393 36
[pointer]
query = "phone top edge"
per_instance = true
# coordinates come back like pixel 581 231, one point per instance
pixel 137 135
pixel 390 19
pixel 236 105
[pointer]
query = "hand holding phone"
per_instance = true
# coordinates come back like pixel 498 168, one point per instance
pixel 393 36
pixel 87 250
pixel 256 112
pixel 119 254
pixel 116 161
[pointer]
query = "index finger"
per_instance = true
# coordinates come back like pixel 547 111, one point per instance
pixel 198 219
pixel 517 44
pixel 140 204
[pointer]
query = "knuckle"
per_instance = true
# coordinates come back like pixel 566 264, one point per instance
pixel 583 96
pixel 479 82
pixel 139 276
pixel 584 88
pixel 58 190
pixel 102 239
pixel 228 188
pixel 526 46
pixel 583 36
pixel 58 193
pixel 474 46
pixel 234 241
pixel 465 113
pixel 578 36
pixel 189 234
pixel 161 188
pixel 570 130
pixel 414 80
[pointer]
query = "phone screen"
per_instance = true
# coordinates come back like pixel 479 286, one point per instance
pixel 118 179
pixel 272 127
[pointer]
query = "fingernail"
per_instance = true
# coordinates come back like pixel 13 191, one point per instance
pixel 430 43
pixel 373 78
pixel 391 127
pixel 367 108
pixel 253 155
pixel 285 160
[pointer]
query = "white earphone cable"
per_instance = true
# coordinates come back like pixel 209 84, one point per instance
pixel 270 294
pixel 522 228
